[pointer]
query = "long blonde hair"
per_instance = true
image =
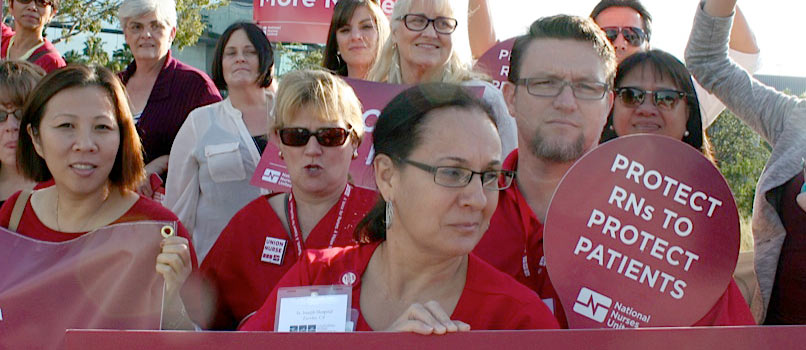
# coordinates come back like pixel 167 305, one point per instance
pixel 387 67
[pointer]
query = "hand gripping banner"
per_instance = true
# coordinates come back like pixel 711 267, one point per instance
pixel 104 279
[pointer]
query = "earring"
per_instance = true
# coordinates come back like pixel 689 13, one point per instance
pixel 355 154
pixel 611 127
pixel 280 154
pixel 338 57
pixel 389 215
pixel 685 134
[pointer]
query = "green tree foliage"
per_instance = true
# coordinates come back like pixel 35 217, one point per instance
pixel 741 155
pixel 295 56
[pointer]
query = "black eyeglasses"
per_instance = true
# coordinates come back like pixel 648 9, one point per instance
pixel 328 137
pixel 449 176
pixel 663 99
pixel 550 87
pixel 40 3
pixel 633 35
pixel 418 23
pixel 17 113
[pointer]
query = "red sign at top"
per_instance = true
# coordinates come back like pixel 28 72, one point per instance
pixel 305 21
pixel 641 232
pixel 495 62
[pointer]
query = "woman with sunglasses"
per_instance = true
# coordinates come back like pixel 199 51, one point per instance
pixel 438 170
pixel 420 49
pixel 655 94
pixel 318 126
pixel 27 43
pixel 17 80
pixel 358 29
pixel 219 145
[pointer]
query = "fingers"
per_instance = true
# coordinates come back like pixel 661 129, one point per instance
pixel 174 262
pixel 428 318
pixel 145 189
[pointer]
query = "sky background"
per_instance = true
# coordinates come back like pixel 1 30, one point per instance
pixel 779 25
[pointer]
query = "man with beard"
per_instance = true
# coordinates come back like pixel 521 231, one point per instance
pixel 559 94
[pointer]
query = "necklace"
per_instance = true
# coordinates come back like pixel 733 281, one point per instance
pixel 89 220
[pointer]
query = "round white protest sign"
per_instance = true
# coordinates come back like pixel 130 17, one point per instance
pixel 641 232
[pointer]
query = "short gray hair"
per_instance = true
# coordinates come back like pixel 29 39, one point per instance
pixel 164 9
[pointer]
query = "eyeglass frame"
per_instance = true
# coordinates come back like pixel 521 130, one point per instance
pixel 525 82
pixel 17 113
pixel 509 174
pixel 640 32
pixel 431 21
pixel 315 134
pixel 45 3
pixel 680 95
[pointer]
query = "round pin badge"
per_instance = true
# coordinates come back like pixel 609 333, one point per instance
pixel 348 279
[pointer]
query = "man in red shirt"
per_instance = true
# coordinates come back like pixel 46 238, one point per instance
pixel 559 93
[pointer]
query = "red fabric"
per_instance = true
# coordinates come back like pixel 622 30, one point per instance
pixel 490 300
pixel 503 246
pixel 50 61
pixel 179 89
pixel 234 265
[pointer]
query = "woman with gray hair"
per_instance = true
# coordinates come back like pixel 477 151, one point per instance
pixel 420 49
pixel 162 90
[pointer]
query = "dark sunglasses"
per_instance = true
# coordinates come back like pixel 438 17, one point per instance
pixel 663 99
pixel 633 35
pixel 17 113
pixel 40 3
pixel 328 137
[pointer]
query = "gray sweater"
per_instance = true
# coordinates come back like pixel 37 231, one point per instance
pixel 778 118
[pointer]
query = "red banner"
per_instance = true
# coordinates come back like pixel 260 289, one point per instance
pixel 495 62
pixel 734 338
pixel 305 21
pixel 271 172
pixel 103 279
pixel 641 232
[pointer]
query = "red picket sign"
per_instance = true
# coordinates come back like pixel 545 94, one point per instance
pixel 495 62
pixel 304 21
pixel 641 232
pixel 103 279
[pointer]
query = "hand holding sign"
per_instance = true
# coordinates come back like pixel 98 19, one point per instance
pixel 642 231
pixel 425 319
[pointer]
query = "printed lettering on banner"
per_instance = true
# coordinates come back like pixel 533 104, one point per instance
pixel 642 231
pixel 273 250
pixel 495 62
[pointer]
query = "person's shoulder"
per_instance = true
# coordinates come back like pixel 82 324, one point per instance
pixel 207 112
pixel 149 209
pixel 339 260
pixel 489 280
pixel 189 73
pixel 257 209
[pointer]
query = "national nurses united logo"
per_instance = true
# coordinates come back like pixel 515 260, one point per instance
pixel 272 176
pixel 592 305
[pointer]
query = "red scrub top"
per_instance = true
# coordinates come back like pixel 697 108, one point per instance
pixel 237 268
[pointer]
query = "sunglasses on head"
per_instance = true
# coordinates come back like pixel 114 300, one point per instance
pixel 633 35
pixel 328 137
pixel 663 99
pixel 40 3
pixel 17 114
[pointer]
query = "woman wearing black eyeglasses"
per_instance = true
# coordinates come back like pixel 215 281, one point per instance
pixel 27 43
pixel 17 80
pixel 318 126
pixel 420 49
pixel 414 270
pixel 655 95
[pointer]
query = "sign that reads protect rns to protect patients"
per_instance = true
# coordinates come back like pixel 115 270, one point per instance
pixel 641 232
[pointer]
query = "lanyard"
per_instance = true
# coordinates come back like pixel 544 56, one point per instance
pixel 523 210
pixel 296 234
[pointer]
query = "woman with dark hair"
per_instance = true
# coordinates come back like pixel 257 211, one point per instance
pixel 17 80
pixel 77 130
pixel 26 43
pixel 655 94
pixel 318 127
pixel 358 29
pixel 219 145
pixel 414 271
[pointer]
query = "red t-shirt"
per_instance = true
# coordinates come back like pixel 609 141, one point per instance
pixel 515 229
pixel 239 273
pixel 47 56
pixel 490 300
